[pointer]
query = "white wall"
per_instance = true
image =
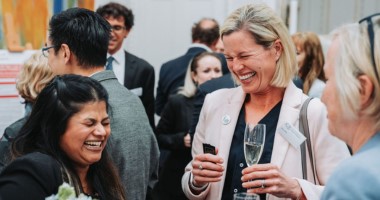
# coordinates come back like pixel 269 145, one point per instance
pixel 322 16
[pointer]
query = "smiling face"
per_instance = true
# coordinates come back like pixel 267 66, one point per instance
pixel 118 33
pixel 251 64
pixel 208 68
pixel 86 134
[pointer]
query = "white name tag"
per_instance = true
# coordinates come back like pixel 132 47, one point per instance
pixel 292 135
pixel 137 91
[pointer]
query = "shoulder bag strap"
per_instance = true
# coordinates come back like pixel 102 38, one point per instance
pixel 304 129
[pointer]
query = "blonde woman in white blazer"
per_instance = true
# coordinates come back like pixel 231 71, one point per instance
pixel 261 57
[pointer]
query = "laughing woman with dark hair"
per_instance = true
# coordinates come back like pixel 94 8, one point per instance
pixel 63 140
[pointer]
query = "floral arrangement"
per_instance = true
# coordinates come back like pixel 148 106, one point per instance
pixel 66 192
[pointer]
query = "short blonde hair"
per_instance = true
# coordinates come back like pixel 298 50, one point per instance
pixel 265 27
pixel 33 77
pixel 352 60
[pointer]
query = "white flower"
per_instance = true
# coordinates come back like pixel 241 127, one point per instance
pixel 66 192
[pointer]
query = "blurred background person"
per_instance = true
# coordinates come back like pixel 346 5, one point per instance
pixel 33 77
pixel 205 34
pixel 173 128
pixel 352 97
pixel 134 73
pixel 310 63
pixel 64 140
pixel 261 57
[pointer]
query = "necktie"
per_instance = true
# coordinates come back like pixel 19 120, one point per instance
pixel 109 63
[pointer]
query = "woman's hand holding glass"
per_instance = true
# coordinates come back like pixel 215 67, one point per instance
pixel 207 168
pixel 264 178
pixel 267 178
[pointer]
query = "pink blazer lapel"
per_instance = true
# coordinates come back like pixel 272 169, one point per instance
pixel 290 109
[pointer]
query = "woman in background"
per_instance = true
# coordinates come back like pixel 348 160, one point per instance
pixel 310 63
pixel 35 74
pixel 172 129
pixel 63 140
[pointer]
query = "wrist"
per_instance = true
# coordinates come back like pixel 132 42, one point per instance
pixel 194 186
pixel 299 194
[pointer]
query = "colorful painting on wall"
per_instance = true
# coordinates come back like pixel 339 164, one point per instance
pixel 24 24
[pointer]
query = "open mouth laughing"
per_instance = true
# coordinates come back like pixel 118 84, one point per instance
pixel 247 76
pixel 93 144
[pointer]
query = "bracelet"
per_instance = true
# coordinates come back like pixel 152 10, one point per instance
pixel 192 186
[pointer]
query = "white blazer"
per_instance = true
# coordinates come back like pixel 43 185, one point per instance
pixel 328 151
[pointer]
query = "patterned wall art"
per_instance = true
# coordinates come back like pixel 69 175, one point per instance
pixel 24 23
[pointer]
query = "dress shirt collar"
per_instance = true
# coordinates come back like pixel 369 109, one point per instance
pixel 118 56
pixel 201 46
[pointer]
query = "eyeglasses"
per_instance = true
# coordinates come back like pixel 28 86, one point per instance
pixel 45 51
pixel 117 28
pixel 371 36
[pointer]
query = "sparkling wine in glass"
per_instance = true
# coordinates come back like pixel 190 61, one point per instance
pixel 254 138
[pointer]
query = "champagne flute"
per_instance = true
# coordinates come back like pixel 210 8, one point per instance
pixel 254 138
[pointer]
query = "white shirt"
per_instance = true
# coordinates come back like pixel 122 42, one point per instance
pixel 118 65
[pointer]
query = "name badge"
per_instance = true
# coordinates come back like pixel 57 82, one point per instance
pixel 292 135
pixel 137 91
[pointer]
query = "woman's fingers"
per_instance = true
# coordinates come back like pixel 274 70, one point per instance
pixel 207 168
pixel 203 168
pixel 209 158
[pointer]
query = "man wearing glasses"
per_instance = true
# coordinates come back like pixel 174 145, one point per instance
pixel 134 73
pixel 77 44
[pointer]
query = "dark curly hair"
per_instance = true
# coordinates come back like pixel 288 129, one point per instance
pixel 116 10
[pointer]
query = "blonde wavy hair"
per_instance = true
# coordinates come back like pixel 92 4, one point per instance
pixel 35 74
pixel 265 27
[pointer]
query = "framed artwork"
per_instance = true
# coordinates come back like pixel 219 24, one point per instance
pixel 24 24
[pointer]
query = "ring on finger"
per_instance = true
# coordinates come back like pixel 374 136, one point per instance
pixel 263 183
pixel 200 166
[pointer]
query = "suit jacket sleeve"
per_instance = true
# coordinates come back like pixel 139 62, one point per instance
pixel 30 177
pixel 153 168
pixel 161 96
pixel 148 94
pixel 167 136
pixel 198 103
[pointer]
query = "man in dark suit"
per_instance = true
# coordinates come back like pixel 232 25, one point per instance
pixel 132 144
pixel 133 72
pixel 205 35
